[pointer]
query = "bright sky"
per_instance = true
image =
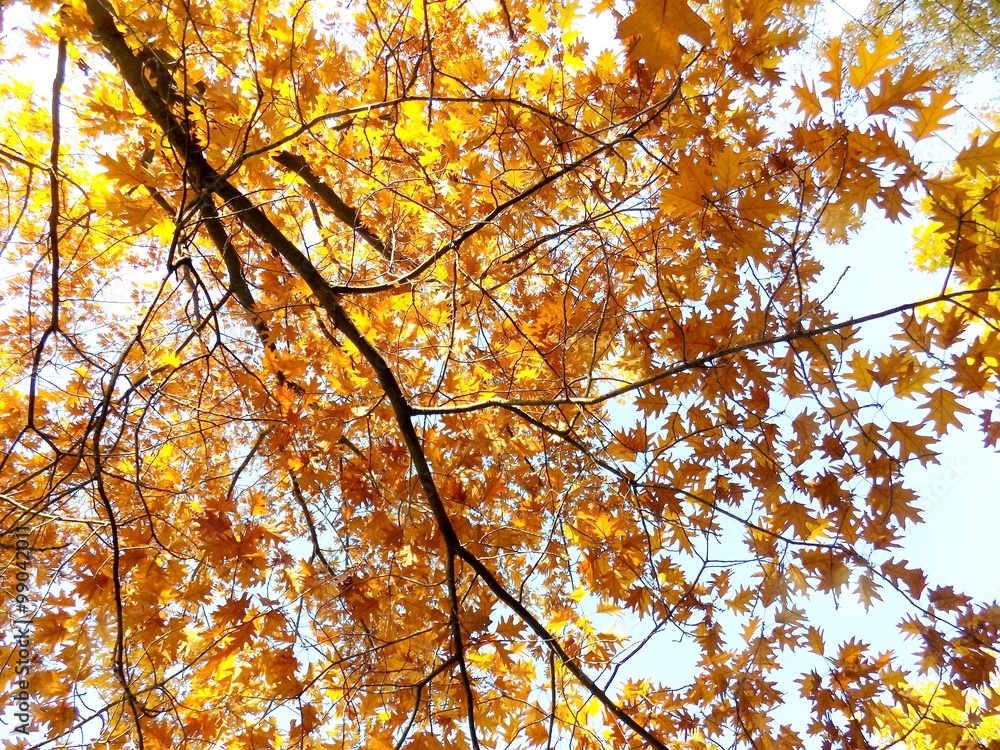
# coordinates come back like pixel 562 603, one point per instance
pixel 957 543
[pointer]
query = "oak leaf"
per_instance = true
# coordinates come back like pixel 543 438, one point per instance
pixel 658 26
pixel 873 60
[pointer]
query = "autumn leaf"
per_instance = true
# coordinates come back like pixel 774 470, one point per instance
pixel 946 598
pixel 928 119
pixel 983 154
pixel 873 60
pixel 809 100
pixel 899 573
pixel 991 428
pixel 658 26
pixel 911 443
pixel 867 591
pixel 898 91
pixel 944 408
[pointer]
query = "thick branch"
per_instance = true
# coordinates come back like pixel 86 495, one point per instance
pixel 57 85
pixel 261 226
pixel 234 266
pixel 347 214
pixel 53 326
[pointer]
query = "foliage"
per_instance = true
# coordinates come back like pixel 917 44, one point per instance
pixel 960 37
pixel 406 374
pixel 964 204
pixel 941 716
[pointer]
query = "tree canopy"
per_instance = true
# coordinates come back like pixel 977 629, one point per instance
pixel 410 374
pixel 958 37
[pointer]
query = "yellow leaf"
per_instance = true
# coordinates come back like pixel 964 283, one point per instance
pixel 163 230
pixel 659 24
pixel 928 117
pixel 809 101
pixel 871 62
pixel 538 19
pixel 126 174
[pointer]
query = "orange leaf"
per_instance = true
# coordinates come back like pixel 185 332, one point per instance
pixel 991 428
pixel 898 91
pixel 867 590
pixel 897 572
pixel 659 24
pixel 983 154
pixel 945 597
pixel 944 407
pixel 911 445
pixel 928 117
pixel 871 62
pixel 834 74
pixel 809 101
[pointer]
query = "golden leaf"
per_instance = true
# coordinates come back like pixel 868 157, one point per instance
pixel 658 26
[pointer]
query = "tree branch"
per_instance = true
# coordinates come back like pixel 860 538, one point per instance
pixel 697 362
pixel 347 214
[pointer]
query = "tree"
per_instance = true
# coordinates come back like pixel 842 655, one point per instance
pixel 939 716
pixel 365 364
pixel 959 37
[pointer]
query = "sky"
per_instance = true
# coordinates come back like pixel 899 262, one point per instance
pixel 957 543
